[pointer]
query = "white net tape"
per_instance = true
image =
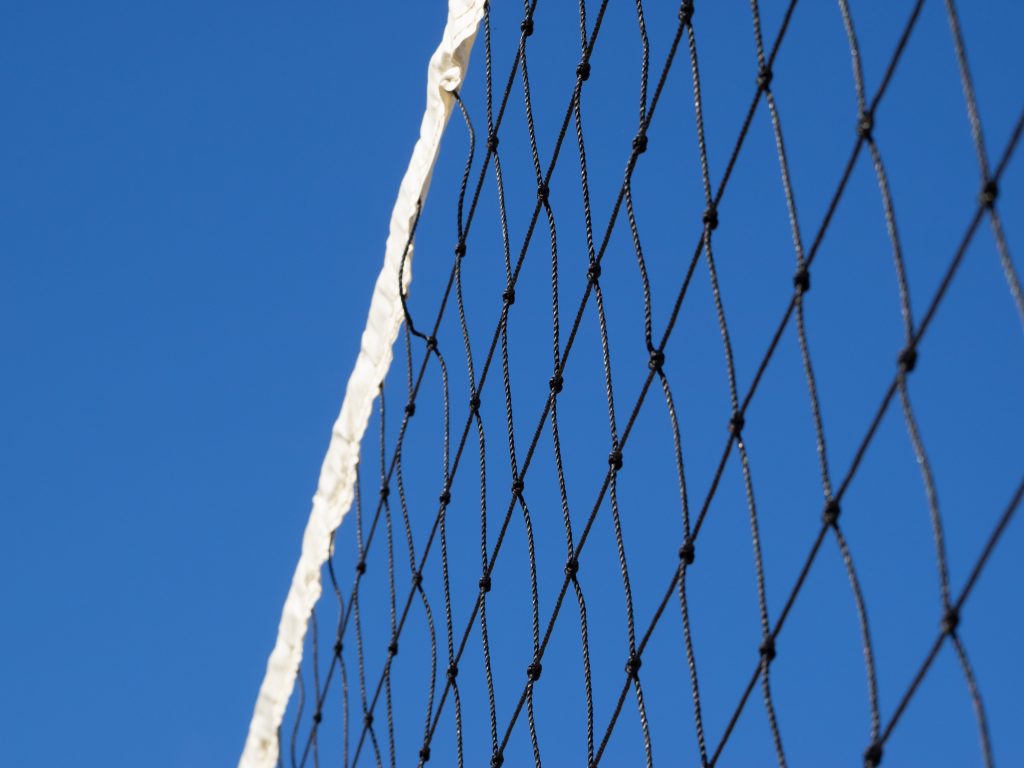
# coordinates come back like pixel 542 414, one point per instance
pixel 334 492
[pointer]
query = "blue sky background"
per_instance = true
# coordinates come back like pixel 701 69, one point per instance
pixel 195 203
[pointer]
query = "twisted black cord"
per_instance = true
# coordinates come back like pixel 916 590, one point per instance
pixel 801 280
pixel 951 618
pixel 338 648
pixel 873 754
pixel 507 298
pixel 389 528
pixel 410 405
pixel 314 633
pixel 989 189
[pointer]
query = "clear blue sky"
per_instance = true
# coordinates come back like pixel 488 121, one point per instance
pixel 193 206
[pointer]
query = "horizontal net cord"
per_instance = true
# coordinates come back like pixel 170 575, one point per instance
pixel 334 494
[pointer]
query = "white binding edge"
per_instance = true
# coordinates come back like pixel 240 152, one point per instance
pixel 334 493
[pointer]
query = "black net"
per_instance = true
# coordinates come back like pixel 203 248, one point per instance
pixel 559 553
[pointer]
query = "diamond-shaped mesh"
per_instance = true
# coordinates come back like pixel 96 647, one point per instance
pixel 605 468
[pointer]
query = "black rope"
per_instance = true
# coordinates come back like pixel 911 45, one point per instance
pixel 450 453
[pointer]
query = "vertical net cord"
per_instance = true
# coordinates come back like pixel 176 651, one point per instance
pixel 508 297
pixel 990 189
pixel 544 199
pixel 910 419
pixel 1013 283
pixel 342 667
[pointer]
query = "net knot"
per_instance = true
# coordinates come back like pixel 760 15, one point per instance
pixel 865 124
pixel 555 382
pixel 425 754
pixel 593 273
pixel 460 248
pixel 907 359
pixel 445 497
pixel 657 360
pixel 950 621
pixel 417 579
pixel 764 77
pixel 393 648
pixel 474 403
pixel 736 423
pixel 385 492
pixel 485 583
pixel 317 717
pixel 526 25
pixel 368 719
pixel 509 296
pixel 802 280
pixel 831 514
pixel 517 486
pixel 492 141
pixel 410 409
pixel 767 648
pixel 338 647
pixel 361 567
pixel 542 192
pixel 453 672
pixel 640 143
pixel 686 12
pixel 572 567
pixel 533 671
pixel 686 552
pixel 873 755
pixel 633 665
pixel 583 70
pixel 710 217
pixel 497 760
pixel 989 193
pixel 615 459
pixel 431 343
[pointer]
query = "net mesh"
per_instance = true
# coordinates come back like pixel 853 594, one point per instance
pixel 568 546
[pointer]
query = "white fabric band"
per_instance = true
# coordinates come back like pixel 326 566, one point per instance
pixel 334 492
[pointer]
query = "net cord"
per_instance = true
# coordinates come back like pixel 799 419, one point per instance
pixel 334 494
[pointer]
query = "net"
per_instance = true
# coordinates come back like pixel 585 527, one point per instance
pixel 626 445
